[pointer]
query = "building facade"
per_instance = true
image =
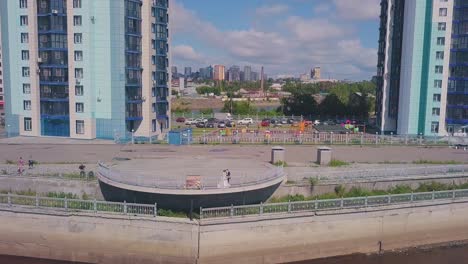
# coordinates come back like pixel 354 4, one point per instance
pixel 247 73
pixel 234 73
pixel 86 69
pixel 219 73
pixel 316 73
pixel 2 96
pixel 413 66
pixel 457 95
pixel 188 72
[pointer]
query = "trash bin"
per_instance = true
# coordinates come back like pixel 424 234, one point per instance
pixel 324 155
pixel 277 154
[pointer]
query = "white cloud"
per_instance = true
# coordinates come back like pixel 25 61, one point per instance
pixel 186 53
pixel 322 8
pixel 270 10
pixel 296 45
pixel 358 10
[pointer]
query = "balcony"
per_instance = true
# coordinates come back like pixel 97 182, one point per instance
pixel 54 97
pixel 135 99
pixel 133 115
pixel 160 3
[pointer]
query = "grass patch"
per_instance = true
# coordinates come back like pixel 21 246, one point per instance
pixel 169 213
pixel 280 164
pixel 341 192
pixel 291 182
pixel 10 162
pixel 337 163
pixel 437 162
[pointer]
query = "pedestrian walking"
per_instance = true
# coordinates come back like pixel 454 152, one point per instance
pixel 228 176
pixel 30 164
pixel 20 166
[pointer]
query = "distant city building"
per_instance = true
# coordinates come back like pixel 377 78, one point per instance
pixel 234 74
pixel 247 73
pixel 315 73
pixel 254 76
pixel 188 72
pixel 182 84
pixel 304 77
pixel 242 76
pixel 86 69
pixel 414 68
pixel 219 73
pixel 206 73
pixel 174 71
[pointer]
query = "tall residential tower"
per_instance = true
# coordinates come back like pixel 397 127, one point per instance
pixel 85 68
pixel 413 66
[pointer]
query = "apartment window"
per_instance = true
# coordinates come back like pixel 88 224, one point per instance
pixel 23 20
pixel 153 107
pixel 78 55
pixel 24 38
pixel 442 26
pixel 27 105
pixel 439 55
pixel 438 84
pixel 79 107
pixel 25 71
pixel 441 41
pixel 23 3
pixel 439 69
pixel 25 54
pixel 79 90
pixel 78 38
pixel 443 12
pixel 435 127
pixel 153 125
pixel 77 20
pixel 436 111
pixel 27 124
pixel 78 73
pixel 436 98
pixel 80 127
pixel 153 59
pixel 26 88
pixel 76 3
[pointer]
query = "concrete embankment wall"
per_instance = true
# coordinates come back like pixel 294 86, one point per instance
pixel 115 240
pixel 93 239
pixel 303 238
pixel 308 190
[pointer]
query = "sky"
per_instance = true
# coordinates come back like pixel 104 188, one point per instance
pixel 284 36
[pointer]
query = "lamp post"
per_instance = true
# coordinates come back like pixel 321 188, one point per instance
pixel 8 131
pixel 133 136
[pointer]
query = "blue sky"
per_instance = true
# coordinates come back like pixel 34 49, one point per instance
pixel 285 36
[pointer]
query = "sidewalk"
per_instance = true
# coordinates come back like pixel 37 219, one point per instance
pixel 54 141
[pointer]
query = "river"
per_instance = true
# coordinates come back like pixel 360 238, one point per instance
pixel 456 253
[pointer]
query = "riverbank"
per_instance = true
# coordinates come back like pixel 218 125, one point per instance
pixel 448 253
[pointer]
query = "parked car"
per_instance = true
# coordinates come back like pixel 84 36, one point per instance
pixel 276 122
pixel 214 120
pixel 210 124
pixel 265 122
pixel 284 121
pixel 229 123
pixel 180 120
pixel 245 121
pixel 204 120
pixel 200 124
pixel 221 124
pixel 190 121
pixel 329 122
pixel 317 122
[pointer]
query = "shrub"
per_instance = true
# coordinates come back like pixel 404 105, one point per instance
pixel 337 163
pixel 340 190
pixel 313 181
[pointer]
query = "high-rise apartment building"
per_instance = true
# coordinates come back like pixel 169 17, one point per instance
pixel 2 96
pixel 174 71
pixel 413 66
pixel 316 73
pixel 457 94
pixel 85 68
pixel 206 73
pixel 219 73
pixel 188 72
pixel 234 73
pixel 247 73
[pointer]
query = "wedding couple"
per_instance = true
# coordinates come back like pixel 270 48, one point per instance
pixel 226 179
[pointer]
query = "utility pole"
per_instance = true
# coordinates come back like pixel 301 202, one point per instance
pixel 262 83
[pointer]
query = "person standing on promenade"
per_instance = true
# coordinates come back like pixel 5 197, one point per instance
pixel 20 166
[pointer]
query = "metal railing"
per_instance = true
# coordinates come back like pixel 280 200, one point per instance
pixel 179 183
pixel 77 205
pixel 331 204
pixel 253 136
pixel 357 175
